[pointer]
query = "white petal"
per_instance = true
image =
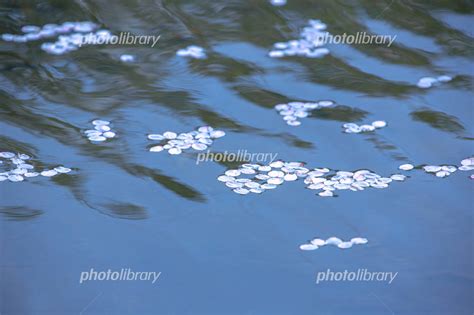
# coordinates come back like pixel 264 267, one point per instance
pixel 333 241
pixel 308 247
pixel 345 245
pixel 156 148
pixel 49 173
pixel 359 240
pixel 406 167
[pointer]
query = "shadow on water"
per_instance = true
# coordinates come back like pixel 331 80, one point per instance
pixel 16 213
pixel 123 210
pixel 439 120
pixel 51 97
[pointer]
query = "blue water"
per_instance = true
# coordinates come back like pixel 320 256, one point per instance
pixel 219 252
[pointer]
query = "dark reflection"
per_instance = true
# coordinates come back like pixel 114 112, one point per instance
pixel 345 17
pixel 438 120
pixel 18 213
pixel 234 165
pixel 70 180
pixel 260 96
pixel 11 145
pixel 418 18
pixel 67 134
pixel 269 99
pixel 337 73
pixel 21 115
pixel 42 95
pixel 167 181
pixel 340 113
pixel 387 147
pixel 227 69
pixel 123 210
pixel 341 16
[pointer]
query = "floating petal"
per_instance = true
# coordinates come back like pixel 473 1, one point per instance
pixel 174 151
pixel 233 173
pixel 170 135
pixel 345 245
pixel 406 167
pixel 359 240
pixel 156 148
pixel 432 168
pixel 62 169
pixel 318 242
pixel 241 191
pixel 15 178
pixel 333 241
pixel 7 155
pixel 49 173
pixel 308 247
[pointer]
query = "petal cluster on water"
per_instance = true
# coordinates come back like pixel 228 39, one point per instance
pixel 327 182
pixel 467 164
pixel 70 35
pixel 199 140
pixel 406 167
pixel 71 42
pixel 335 241
pixel 101 132
pixel 427 82
pixel 354 128
pixel 440 170
pixel 18 167
pixel 293 111
pixel 193 52
pixel 443 170
pixel 309 44
pixel 256 178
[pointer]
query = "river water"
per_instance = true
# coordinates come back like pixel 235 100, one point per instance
pixel 219 252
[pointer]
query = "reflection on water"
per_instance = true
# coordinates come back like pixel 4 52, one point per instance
pixel 19 213
pixel 439 120
pixel 124 211
pixel 47 101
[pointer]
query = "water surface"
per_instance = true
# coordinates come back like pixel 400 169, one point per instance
pixel 219 252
